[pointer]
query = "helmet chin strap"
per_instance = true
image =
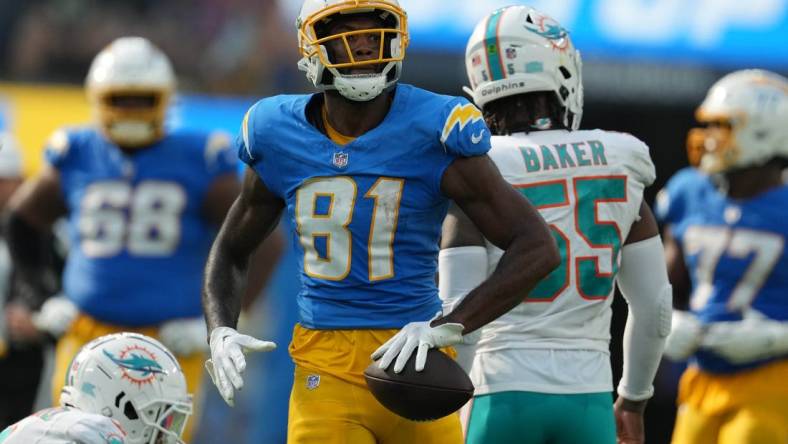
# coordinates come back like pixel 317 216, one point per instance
pixel 361 87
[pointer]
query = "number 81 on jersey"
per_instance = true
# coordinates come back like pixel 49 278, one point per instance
pixel 324 209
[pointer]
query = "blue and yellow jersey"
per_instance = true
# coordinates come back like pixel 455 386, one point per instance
pixel 138 236
pixel 367 215
pixel 734 250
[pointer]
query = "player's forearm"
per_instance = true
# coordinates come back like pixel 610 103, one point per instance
pixel 28 246
pixel 226 270
pixel 223 286
pixel 526 261
pixel 252 217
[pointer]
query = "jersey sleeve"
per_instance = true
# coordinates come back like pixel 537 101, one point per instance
pixel 250 144
pixel 638 163
pixel 463 132
pixel 58 151
pixel 244 141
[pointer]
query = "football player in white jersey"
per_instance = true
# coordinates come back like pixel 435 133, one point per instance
pixel 542 371
pixel 123 388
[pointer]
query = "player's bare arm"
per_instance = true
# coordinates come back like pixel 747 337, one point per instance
pixel 218 200
pixel 511 223
pixel 645 228
pixel 39 202
pixel 32 210
pixel 251 218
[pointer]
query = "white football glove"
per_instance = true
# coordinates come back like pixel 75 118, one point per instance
pixel 685 336
pixel 416 335
pixel 55 316
pixel 754 337
pixel 184 336
pixel 228 363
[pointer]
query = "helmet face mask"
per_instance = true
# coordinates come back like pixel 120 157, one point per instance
pixel 134 380
pixel 168 420
pixel 334 52
pixel 712 146
pixel 744 114
pixel 518 50
pixel 129 86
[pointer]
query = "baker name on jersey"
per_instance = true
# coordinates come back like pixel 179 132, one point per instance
pixel 563 155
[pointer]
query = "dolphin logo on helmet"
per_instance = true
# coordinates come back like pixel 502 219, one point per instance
pixel 137 363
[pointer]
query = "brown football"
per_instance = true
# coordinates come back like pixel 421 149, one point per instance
pixel 437 391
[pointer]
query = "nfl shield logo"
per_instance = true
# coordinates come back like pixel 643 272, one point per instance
pixel 312 381
pixel 340 159
pixel 511 53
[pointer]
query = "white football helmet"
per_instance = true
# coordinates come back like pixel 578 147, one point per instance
pixel 134 380
pixel 131 66
pixel 747 117
pixel 315 60
pixel 517 50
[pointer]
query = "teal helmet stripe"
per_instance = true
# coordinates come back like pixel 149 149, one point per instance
pixel 491 46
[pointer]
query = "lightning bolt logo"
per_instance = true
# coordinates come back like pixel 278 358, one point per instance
pixel 460 116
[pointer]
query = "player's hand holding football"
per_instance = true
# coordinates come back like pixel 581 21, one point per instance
pixel 754 337
pixel 227 361
pixel 685 336
pixel 417 335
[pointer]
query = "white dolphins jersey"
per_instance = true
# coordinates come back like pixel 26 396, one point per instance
pixel 63 425
pixel 588 186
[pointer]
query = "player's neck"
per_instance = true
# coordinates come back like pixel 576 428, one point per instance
pixel 750 182
pixel 354 119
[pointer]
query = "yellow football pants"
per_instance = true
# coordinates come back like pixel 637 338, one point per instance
pixel 330 402
pixel 749 407
pixel 85 329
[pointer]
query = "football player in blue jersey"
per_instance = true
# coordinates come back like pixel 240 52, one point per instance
pixel 142 203
pixel 725 246
pixel 364 172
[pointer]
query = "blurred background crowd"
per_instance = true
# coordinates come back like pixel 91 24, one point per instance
pixel 647 65
pixel 234 46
